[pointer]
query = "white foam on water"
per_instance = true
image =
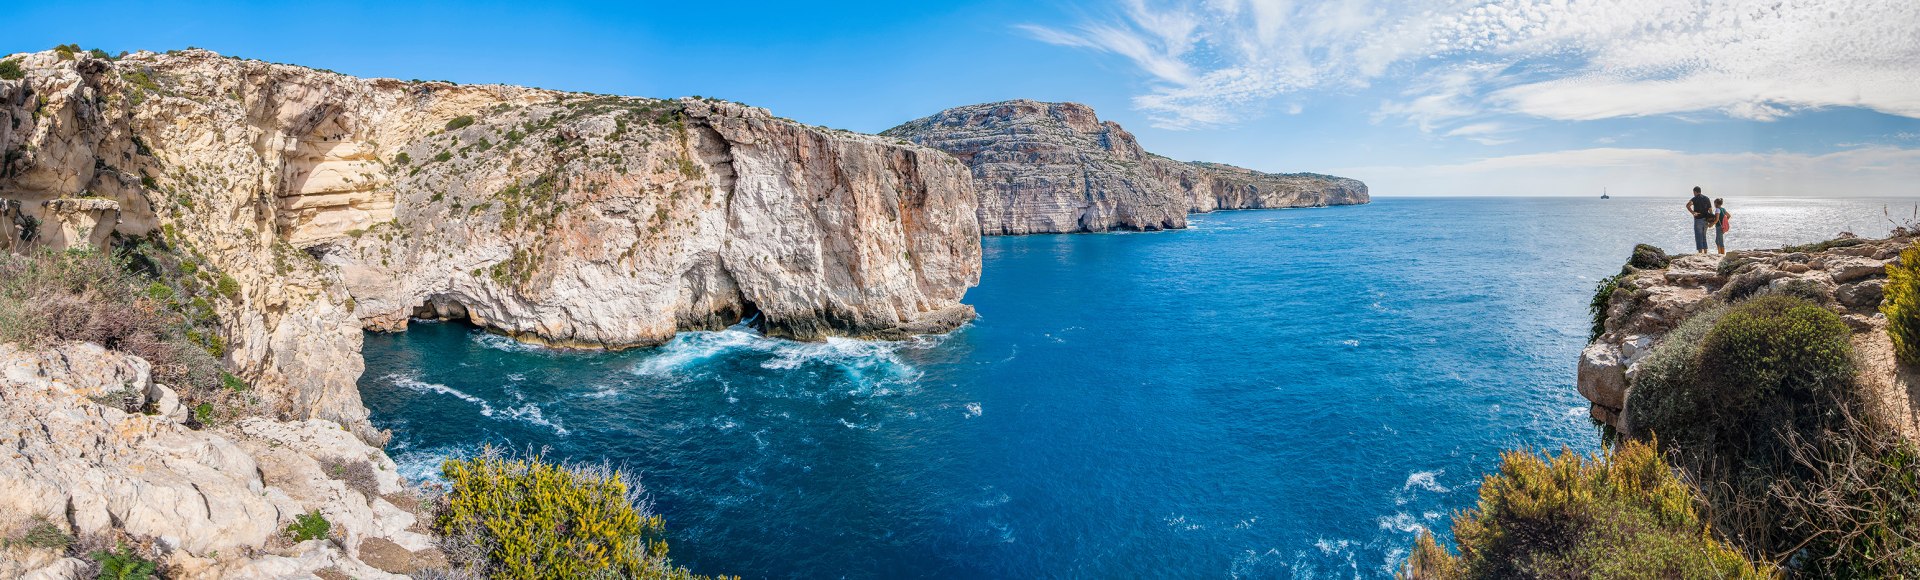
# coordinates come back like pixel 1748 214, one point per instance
pixel 423 465
pixel 1427 480
pixel 502 343
pixel 689 348
pixel 1350 342
pixel 418 385
pixel 1402 522
pixel 1329 548
pixel 973 410
pixel 528 413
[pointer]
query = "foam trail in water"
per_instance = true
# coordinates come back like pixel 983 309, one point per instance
pixel 527 413
pixel 498 342
pixel 414 384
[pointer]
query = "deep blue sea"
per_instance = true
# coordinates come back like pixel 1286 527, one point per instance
pixel 1281 393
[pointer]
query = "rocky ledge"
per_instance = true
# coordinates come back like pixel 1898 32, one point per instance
pixel 1056 167
pixel 98 450
pixel 1654 294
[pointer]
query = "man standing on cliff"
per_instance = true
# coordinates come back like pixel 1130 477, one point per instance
pixel 1702 210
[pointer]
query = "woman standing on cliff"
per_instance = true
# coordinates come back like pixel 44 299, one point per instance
pixel 1720 224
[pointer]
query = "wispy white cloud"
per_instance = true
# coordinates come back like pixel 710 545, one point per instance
pixel 1218 62
pixel 1867 171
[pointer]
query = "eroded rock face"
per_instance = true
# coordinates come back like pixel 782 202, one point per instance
pixel 1056 167
pixel 1650 303
pixel 337 203
pixel 211 499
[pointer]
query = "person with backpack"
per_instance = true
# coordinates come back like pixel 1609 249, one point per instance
pixel 1702 210
pixel 1720 217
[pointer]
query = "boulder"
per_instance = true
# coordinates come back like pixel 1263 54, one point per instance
pixel 1602 376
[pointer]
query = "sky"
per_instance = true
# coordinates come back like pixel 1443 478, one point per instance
pixel 1415 97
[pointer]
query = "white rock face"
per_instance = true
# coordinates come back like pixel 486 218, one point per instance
pixel 1056 167
pixel 207 497
pixel 337 203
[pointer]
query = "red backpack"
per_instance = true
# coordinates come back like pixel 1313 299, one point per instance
pixel 1725 219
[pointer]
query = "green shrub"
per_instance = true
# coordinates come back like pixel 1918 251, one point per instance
pixel 203 413
pixel 10 70
pixel 1665 396
pixel 459 122
pixel 1772 361
pixel 123 564
pixel 309 526
pixel 443 156
pixel 227 286
pixel 232 383
pixel 66 51
pixel 99 54
pixel 1622 514
pixel 1648 257
pixel 1597 307
pixel 1901 305
pixel 402 158
pixel 526 518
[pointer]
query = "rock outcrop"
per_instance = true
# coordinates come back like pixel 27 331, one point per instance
pixel 1650 302
pixel 336 203
pixel 215 501
pixel 1056 167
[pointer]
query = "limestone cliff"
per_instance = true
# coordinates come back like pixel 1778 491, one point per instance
pixel 335 203
pixel 1653 296
pixel 1056 167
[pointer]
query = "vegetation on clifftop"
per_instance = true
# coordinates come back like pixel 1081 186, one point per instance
pixel 527 518
pixel 1619 514
pixel 1901 305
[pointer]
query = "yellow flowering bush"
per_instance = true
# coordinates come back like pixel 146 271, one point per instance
pixel 1613 515
pixel 533 519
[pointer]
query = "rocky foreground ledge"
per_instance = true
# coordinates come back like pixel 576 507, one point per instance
pixel 215 501
pixel 1654 294
pixel 1057 168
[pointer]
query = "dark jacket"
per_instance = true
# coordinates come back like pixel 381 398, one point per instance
pixel 1701 206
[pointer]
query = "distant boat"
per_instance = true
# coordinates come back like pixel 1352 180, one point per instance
pixel 1603 194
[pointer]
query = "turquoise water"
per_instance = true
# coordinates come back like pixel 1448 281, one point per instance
pixel 1288 393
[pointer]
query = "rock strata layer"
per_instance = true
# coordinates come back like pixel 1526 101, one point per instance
pixel 1056 168
pixel 336 203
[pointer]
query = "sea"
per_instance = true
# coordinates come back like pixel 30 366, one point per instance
pixel 1266 394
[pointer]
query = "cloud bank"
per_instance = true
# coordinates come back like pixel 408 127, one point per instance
pixel 1863 172
pixel 1217 62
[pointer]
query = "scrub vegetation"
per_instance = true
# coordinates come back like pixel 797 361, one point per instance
pixel 1618 514
pixel 526 518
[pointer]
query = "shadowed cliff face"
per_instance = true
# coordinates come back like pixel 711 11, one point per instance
pixel 338 203
pixel 1056 167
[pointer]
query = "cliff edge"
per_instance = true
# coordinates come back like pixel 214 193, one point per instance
pixel 1056 167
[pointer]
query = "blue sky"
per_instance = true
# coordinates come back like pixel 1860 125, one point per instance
pixel 1419 97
